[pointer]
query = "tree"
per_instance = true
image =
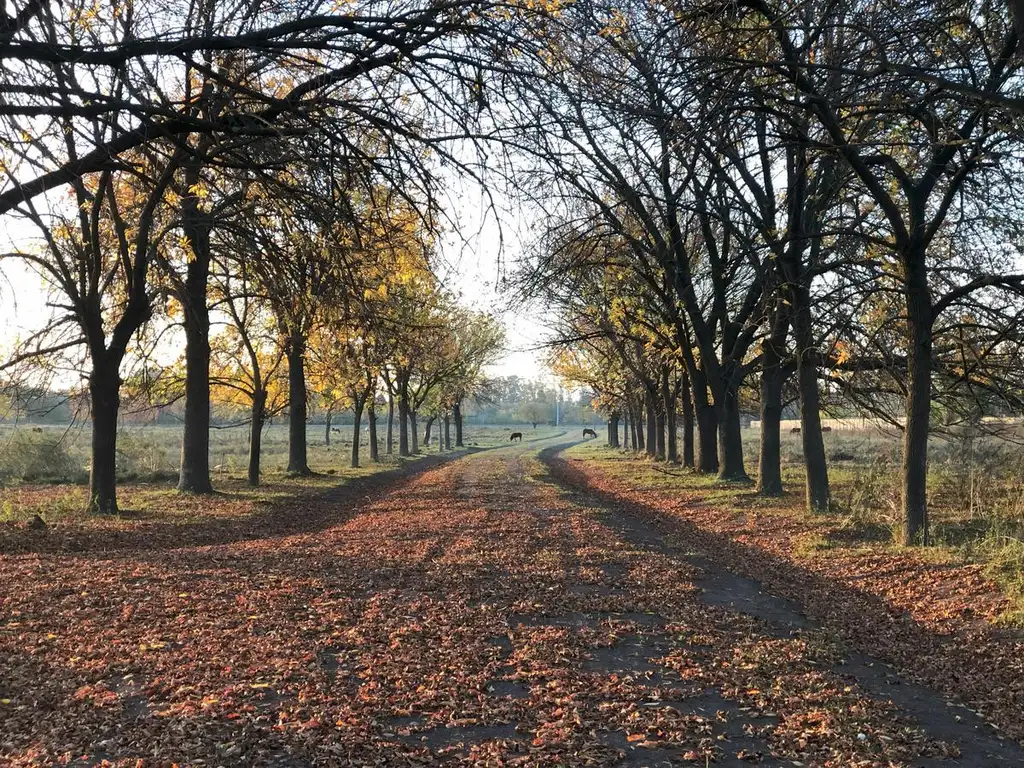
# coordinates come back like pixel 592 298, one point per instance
pixel 97 264
pixel 247 357
pixel 920 157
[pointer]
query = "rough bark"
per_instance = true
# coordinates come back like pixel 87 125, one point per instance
pixel 194 474
pixel 730 440
pixel 613 431
pixel 707 425
pixel 803 228
pixel 769 466
pixel 651 439
pixel 390 448
pixel 668 396
pixel 447 432
pixel 661 426
pixel 259 401
pixel 357 425
pixel 298 461
pixel 327 428
pixel 428 428
pixel 688 421
pixel 403 417
pixel 105 401
pixel 371 419
pixel 414 431
pixel 918 405
pixel 817 484
pixel 457 415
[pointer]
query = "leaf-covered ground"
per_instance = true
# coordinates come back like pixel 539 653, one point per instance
pixel 937 622
pixel 479 614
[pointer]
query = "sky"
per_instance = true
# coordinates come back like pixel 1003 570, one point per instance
pixel 474 262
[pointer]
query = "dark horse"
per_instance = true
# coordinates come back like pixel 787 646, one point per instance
pixel 588 432
pixel 516 436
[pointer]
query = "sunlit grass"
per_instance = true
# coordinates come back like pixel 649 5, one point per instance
pixel 148 460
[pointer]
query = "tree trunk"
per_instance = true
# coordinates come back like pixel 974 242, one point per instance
pixel 661 425
pixel 651 438
pixel 371 419
pixel 105 401
pixel 730 439
pixel 298 461
pixel 613 431
pixel 687 408
pixel 769 465
pixel 357 425
pixel 414 431
pixel 707 424
pixel 918 414
pixel 804 229
pixel 817 484
pixel 428 429
pixel 390 448
pixel 638 429
pixel 669 406
pixel 327 429
pixel 625 429
pixel 259 401
pixel 194 474
pixel 457 415
pixel 403 419
pixel 447 432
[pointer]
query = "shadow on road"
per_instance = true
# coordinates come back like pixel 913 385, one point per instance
pixel 895 638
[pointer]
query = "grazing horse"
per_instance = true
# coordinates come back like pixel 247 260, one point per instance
pixel 516 436
pixel 588 432
pixel 795 431
pixel 826 429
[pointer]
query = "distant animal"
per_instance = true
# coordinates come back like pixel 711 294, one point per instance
pixel 37 429
pixel 795 431
pixel 826 429
pixel 589 433
pixel 516 436
pixel 335 429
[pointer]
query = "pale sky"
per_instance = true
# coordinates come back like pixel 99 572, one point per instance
pixel 476 259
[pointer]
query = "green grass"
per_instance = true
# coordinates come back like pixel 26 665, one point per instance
pixel 45 472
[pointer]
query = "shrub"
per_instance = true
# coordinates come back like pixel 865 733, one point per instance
pixel 140 458
pixel 37 457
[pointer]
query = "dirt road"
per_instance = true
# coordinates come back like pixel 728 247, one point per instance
pixel 479 613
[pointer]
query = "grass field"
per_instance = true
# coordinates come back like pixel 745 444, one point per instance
pixel 44 469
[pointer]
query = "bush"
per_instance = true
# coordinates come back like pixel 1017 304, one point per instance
pixel 37 457
pixel 140 458
pixel 872 494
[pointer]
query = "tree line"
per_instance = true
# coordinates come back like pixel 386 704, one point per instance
pixel 749 202
pixel 263 179
pixel 729 201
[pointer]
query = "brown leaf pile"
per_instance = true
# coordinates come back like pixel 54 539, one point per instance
pixel 473 615
pixel 933 621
